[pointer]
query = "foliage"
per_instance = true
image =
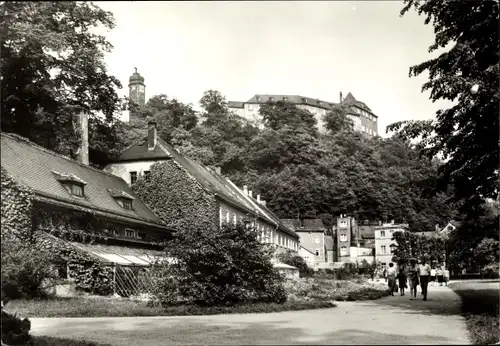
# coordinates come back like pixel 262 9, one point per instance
pixel 52 67
pixel 291 258
pixel 487 252
pixel 469 234
pixel 15 331
pixel 467 74
pixel 337 120
pixel 326 289
pixel 26 269
pixel 222 267
pixel 110 307
pixel 280 114
pixel 410 245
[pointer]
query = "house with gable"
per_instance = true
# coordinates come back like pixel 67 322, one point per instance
pixel 199 195
pixel 312 239
pixel 133 234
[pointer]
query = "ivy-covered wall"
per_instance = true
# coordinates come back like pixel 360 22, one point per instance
pixel 17 203
pixel 177 198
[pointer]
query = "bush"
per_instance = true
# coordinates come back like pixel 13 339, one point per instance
pixel 491 271
pixel 15 331
pixel 218 267
pixel 26 269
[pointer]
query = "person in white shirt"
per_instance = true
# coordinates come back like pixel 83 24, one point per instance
pixel 424 271
pixel 391 278
pixel 433 277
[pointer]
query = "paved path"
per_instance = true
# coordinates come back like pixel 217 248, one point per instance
pixel 391 320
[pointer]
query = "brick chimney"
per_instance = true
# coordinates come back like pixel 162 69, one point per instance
pixel 258 198
pixel 263 202
pixel 152 136
pixel 81 126
pixel 341 97
pixel 250 193
pixel 245 189
pixel 218 170
pixel 392 222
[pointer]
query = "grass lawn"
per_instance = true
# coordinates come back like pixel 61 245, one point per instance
pixel 102 307
pixel 51 341
pixel 480 305
pixel 305 294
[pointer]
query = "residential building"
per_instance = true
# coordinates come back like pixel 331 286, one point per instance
pixel 365 234
pixel 312 237
pixel 344 232
pixel 364 120
pixel 63 186
pixel 384 244
pixel 307 255
pixel 207 197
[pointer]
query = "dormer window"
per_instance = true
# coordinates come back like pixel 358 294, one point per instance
pixel 258 98
pixel 285 98
pixel 71 183
pixel 122 198
pixel 271 99
pixel 129 233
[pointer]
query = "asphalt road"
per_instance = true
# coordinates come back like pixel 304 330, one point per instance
pixel 391 320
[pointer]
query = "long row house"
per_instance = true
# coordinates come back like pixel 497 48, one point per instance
pixel 134 234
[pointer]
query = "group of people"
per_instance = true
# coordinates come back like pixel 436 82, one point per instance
pixel 414 275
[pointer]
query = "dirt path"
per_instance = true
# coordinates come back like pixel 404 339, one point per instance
pixel 392 320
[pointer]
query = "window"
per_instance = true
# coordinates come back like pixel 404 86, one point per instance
pixel 316 240
pixel 76 190
pixel 317 252
pixel 234 218
pixel 382 233
pixel 343 223
pixel 258 98
pixel 227 216
pixel 130 233
pixel 250 107
pixel 126 203
pixel 362 128
pixel 383 249
pixel 343 237
pixel 133 178
pixel 343 251
pixel 147 174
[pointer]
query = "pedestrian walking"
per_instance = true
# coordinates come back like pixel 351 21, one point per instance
pixel 391 278
pixel 439 275
pixel 446 276
pixel 433 276
pixel 402 281
pixel 424 270
pixel 413 276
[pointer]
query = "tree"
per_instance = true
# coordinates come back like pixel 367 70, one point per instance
pixel 52 67
pixel 277 115
pixel 467 74
pixel 410 245
pixel 291 258
pixel 223 267
pixel 487 252
pixel 337 120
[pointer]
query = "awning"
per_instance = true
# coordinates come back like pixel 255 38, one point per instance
pixel 120 254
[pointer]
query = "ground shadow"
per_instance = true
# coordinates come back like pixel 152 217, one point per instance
pixel 192 331
pixel 447 304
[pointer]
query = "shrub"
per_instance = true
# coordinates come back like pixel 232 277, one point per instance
pixel 26 269
pixel 291 258
pixel 219 267
pixel 15 331
pixel 491 271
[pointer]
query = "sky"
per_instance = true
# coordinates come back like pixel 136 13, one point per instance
pixel 309 48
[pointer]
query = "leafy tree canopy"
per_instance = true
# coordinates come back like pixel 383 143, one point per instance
pixel 52 67
pixel 467 74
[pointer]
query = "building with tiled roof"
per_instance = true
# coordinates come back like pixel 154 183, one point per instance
pixel 62 184
pixel 312 237
pixel 364 120
pixel 227 201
